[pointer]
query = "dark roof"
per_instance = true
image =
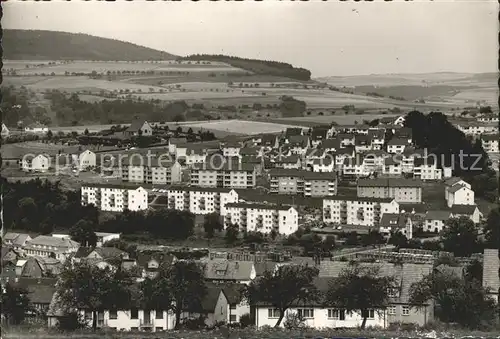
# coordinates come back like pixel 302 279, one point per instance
pixel 126 186
pixel 233 292
pixel 40 290
pixel 362 140
pixel 226 166
pixel 393 220
pixel 489 137
pixel 82 252
pixel 210 300
pixel 293 131
pixel 259 206
pixel 398 142
pixel 261 267
pixel 452 181
pixel 437 215
pixel 162 258
pixel 456 188
pixel 424 161
pixel 389 182
pixel 319 133
pixel 354 197
pixel 136 125
pixel 376 134
pixel 198 189
pixel 220 269
pixel 419 208
pixel 331 143
pixel 463 209
pixel 302 174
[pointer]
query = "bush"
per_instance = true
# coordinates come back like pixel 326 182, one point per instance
pixel 294 321
pixel 247 320
pixel 71 322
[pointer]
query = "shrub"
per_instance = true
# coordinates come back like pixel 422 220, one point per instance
pixel 246 320
pixel 71 322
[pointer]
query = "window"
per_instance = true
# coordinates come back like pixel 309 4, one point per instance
pixel 232 318
pixel 405 310
pixel 134 313
pixel 158 329
pixel 88 315
pixel 273 313
pixel 232 306
pixel 113 314
pixel 159 314
pixel 391 310
pixel 336 314
pixel 306 313
pixel 369 314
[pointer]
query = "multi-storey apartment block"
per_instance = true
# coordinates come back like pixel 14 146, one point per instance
pixel 426 169
pixel 115 198
pixel 490 142
pixel 156 171
pixel 402 190
pixel 309 184
pixel 228 175
pixel 357 211
pixel 199 200
pixel 262 218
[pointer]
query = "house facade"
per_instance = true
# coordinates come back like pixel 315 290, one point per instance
pixel 262 218
pixel 402 190
pixel 38 163
pixel 115 198
pixel 200 200
pixel 309 184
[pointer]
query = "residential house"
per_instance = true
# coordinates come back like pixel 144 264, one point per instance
pixel 435 220
pixel 399 121
pixel 269 141
pixel 293 131
pixel 104 237
pixel 5 131
pixel 227 271
pixel 323 165
pixel 40 293
pixel 491 266
pixel 111 255
pixel 459 194
pixel 354 168
pixel 291 162
pixel 237 304
pixel 470 211
pixel 16 240
pixel 362 143
pixel 426 169
pixel 318 135
pixel 404 133
pixel 377 138
pixel 397 222
pixel 309 184
pixel 298 144
pixel 214 307
pixel 36 128
pixel 357 211
pixel 262 218
pixel 397 145
pixel 490 142
pixel 373 161
pixel 84 160
pixel 139 128
pixel 353 129
pixel 200 200
pixel 47 246
pixel 37 163
pixel 150 263
pixel 331 145
pixel 452 182
pixel 403 190
pixel 231 149
pixel 346 139
pixel 392 167
pixel 173 142
pixel 341 155
pixel 115 197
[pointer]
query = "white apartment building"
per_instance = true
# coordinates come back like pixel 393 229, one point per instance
pixel 309 184
pixel 228 175
pixel 392 167
pixel 199 200
pixel 262 218
pixel 38 163
pixel 155 171
pixel 115 198
pixel 476 128
pixel 426 169
pixel 403 190
pixel 357 211
pixel 490 142
pixel 355 168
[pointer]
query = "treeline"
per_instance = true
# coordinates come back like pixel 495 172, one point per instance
pixel 72 110
pixel 452 147
pixel 16 106
pixel 256 66
pixel 41 206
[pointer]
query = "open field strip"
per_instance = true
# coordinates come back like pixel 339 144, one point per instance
pixel 339 119
pixel 243 126
pixel 84 83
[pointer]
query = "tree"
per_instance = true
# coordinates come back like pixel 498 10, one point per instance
pixel 287 286
pixel 460 237
pixel 83 286
pixel 49 134
pixel 456 300
pixel 232 232
pixel 398 239
pixel 184 285
pixel 14 303
pixel 492 229
pixel 83 233
pixel 360 289
pixel 190 131
pixel 212 223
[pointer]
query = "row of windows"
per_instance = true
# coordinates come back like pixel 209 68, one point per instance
pixel 333 313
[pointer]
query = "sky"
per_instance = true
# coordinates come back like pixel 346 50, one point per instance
pixel 329 38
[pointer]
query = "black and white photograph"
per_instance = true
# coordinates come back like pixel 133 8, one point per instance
pixel 250 169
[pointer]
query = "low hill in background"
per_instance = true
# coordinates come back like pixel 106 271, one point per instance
pixel 275 68
pixel 50 45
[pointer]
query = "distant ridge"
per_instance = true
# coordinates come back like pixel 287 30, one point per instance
pixel 52 45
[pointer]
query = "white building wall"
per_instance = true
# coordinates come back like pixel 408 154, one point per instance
pixel 321 319
pixel 86 159
pixel 137 199
pixel 112 199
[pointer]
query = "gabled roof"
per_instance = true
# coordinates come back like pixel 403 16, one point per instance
pixel 331 143
pixel 293 159
pixel 489 137
pixel 463 209
pixel 261 267
pixel 298 140
pixel 456 188
pixel 430 161
pixel 419 208
pixel 393 220
pixel 438 215
pixel 452 181
pixel 293 131
pixel 17 239
pixel 109 252
pixel 40 290
pixel 233 292
pixel 398 142
pixel 136 125
pixel 217 269
pixel 376 134
pixel 53 241
pixel 319 133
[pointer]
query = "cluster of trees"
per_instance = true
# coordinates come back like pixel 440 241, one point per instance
pixel 460 237
pixel 257 66
pixel 71 109
pixel 16 106
pixel 452 147
pixel 291 107
pixel 41 206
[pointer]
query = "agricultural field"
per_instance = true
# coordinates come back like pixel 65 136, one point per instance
pixel 326 119
pixel 242 126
